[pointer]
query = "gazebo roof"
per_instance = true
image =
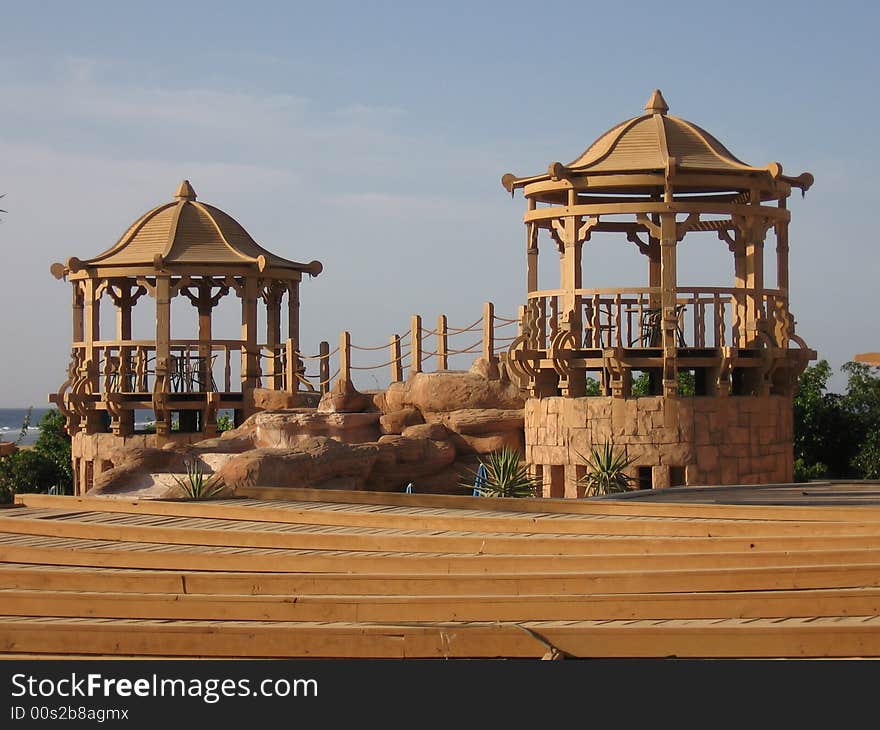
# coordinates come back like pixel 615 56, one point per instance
pixel 187 233
pixel 653 142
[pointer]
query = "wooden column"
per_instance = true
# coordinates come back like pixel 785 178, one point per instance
pixel 668 283
pixel 78 307
pixel 123 420
pixel 249 354
pixel 739 322
pixel 782 251
pixel 163 354
pixel 570 280
pixel 531 253
pixel 272 298
pixel 293 331
pixel 654 265
pixel 293 313
pixel 754 252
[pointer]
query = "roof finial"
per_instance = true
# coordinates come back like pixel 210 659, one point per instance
pixel 656 104
pixel 185 191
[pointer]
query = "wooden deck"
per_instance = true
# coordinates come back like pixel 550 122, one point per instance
pixel 288 573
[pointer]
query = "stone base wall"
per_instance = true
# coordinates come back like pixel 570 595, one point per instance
pixel 92 453
pixel 689 440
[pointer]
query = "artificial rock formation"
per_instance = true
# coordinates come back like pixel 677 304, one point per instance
pixel 429 430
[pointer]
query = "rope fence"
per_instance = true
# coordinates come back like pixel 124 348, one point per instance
pixel 285 364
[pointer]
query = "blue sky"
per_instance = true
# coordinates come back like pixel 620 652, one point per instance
pixel 372 136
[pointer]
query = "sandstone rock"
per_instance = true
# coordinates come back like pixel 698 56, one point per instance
pixel 487 443
pixel 396 421
pixel 284 429
pixel 480 420
pixel 488 369
pixel 313 463
pixel 404 450
pixel 264 399
pixel 434 457
pixel 433 431
pixel 451 391
pixel 344 398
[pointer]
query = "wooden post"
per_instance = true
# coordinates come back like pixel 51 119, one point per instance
pixel 345 357
pixel 396 360
pixel 532 252
pixel 324 366
pixel 442 343
pixel 290 366
pixel 782 252
pixel 489 332
pixel 738 321
pixel 668 280
pixel 293 313
pixel 272 296
pixel 415 365
pixel 78 323
pixel 249 356
pixel 163 351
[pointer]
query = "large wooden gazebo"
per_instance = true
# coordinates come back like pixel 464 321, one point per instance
pixel 182 248
pixel 653 180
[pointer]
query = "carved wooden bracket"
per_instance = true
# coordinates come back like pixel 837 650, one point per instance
pixel 653 228
pixel 686 225
pixel 644 248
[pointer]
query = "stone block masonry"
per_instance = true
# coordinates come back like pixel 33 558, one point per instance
pixel 684 441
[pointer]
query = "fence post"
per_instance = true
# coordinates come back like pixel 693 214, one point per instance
pixel 345 356
pixel 290 363
pixel 396 361
pixel 416 342
pixel 489 332
pixel 324 366
pixel 442 343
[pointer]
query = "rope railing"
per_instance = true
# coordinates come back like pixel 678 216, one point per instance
pixel 285 363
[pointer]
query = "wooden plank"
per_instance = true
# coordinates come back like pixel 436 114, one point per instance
pixel 831 637
pixel 26 577
pixel 403 608
pixel 415 541
pixel 186 557
pixel 568 506
pixel 455 520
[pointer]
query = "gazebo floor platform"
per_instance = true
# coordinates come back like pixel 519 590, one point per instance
pixel 311 573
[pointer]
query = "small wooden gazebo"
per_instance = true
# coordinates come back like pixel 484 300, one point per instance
pixel 652 180
pixel 181 248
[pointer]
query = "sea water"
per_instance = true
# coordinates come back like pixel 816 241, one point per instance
pixel 13 419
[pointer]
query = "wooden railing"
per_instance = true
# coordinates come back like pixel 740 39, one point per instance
pixel 708 317
pixel 130 366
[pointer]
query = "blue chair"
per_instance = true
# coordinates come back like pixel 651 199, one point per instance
pixel 480 481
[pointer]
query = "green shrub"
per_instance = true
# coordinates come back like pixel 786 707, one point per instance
pixel 804 472
pixel 198 484
pixel 224 423
pixel 867 461
pixel 506 476
pixel 606 471
pixel 42 467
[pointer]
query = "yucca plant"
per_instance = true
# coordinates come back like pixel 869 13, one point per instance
pixel 606 471
pixel 504 475
pixel 198 484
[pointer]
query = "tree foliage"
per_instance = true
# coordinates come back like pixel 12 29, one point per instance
pixel 837 435
pixel 42 467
